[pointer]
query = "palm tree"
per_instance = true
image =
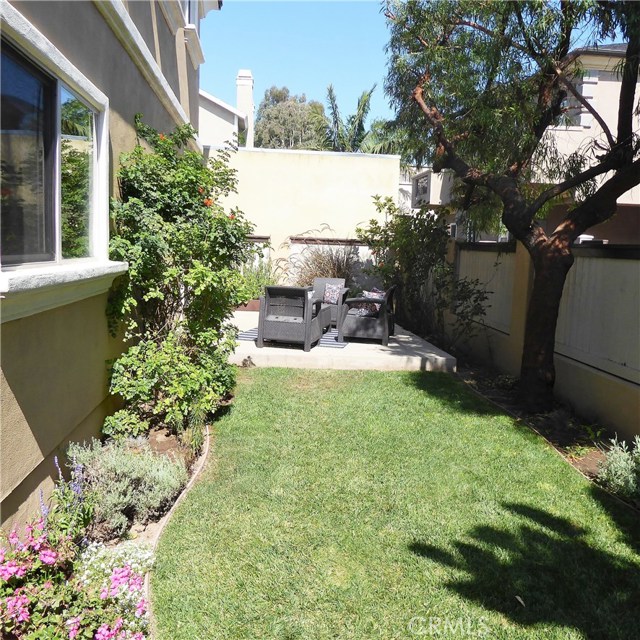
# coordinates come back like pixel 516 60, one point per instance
pixel 336 134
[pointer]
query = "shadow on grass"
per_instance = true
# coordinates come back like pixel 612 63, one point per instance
pixel 550 564
pixel 626 518
pixel 452 392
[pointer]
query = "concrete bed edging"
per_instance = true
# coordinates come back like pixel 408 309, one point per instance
pixel 197 468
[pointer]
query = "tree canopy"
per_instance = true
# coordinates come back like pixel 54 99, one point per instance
pixel 285 121
pixel 478 83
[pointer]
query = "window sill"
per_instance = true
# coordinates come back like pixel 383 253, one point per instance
pixel 27 291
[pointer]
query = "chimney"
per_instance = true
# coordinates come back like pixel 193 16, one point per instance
pixel 244 100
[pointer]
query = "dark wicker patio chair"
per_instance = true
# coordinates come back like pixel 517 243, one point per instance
pixel 319 285
pixel 376 325
pixel 287 314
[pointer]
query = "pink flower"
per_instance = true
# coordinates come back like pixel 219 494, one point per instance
pixel 36 543
pixel 12 568
pixel 48 556
pixel 13 537
pixel 103 632
pixel 2 554
pixel 141 608
pixel 73 626
pixel 17 608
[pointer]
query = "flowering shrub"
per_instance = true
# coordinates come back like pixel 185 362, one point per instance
pixel 185 254
pixel 73 505
pixel 56 593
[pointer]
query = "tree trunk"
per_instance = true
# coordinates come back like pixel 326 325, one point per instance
pixel 552 261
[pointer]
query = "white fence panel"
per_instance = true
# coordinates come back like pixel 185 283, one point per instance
pixel 599 313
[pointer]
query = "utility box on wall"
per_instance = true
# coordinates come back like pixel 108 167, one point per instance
pixel 431 189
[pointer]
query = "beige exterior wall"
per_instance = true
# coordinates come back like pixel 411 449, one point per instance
pixel 55 343
pixel 288 193
pixel 598 346
pixel 99 54
pixel 54 389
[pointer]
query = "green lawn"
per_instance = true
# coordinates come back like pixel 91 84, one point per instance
pixel 390 505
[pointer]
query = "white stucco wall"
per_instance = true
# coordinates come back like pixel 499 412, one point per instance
pixel 218 122
pixel 287 193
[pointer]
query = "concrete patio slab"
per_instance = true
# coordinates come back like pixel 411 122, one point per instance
pixel 405 352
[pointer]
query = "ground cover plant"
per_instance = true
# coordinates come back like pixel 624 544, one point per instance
pixel 620 472
pixel 54 585
pixel 390 505
pixel 126 483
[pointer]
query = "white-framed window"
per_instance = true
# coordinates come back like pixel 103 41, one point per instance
pixel 55 153
pixel 191 11
pixel 54 226
pixel 48 165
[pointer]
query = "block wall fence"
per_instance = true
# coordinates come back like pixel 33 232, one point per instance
pixel 597 352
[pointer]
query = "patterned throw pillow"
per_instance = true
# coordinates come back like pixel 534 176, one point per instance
pixel 331 293
pixel 370 309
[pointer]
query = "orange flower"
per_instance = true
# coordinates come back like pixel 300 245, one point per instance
pixel 208 202
pixel 162 136
pixel 232 216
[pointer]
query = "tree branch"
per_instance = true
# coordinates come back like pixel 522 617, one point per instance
pixel 532 50
pixel 628 85
pixel 602 205
pixel 561 188
pixel 581 99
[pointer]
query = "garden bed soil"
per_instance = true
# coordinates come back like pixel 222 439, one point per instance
pixel 162 441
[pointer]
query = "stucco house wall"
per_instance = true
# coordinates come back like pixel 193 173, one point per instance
pixel 219 123
pixel 289 193
pixel 121 58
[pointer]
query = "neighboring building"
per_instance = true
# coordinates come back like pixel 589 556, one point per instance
pixel 220 123
pixel 74 74
pixel 600 86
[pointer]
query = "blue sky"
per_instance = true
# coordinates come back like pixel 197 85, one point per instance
pixel 304 45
